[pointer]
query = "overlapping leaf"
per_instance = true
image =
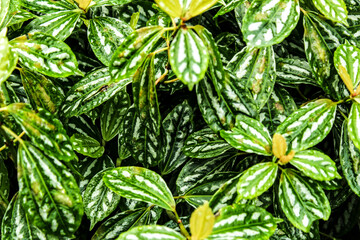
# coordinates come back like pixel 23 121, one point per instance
pixel 86 145
pixel 8 59
pixel 48 192
pixel 45 54
pixel 99 200
pixel 112 115
pixel 269 22
pixel 302 200
pixel 151 232
pixel 353 124
pixel 334 10
pixel 133 51
pixel 90 92
pixel 315 164
pixel 140 184
pixel 256 180
pixel 205 144
pixel 249 135
pixel 309 125
pixel 177 126
pixel 45 131
pixel 188 57
pixel 244 222
pixel 48 6
pixel 254 70
pixel 105 35
pixel 59 24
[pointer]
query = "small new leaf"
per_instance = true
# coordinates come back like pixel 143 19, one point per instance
pixel 202 222
pixel 279 145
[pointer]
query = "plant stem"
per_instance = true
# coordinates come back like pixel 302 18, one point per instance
pixel 161 77
pixel 171 81
pixel 5 145
pixel 181 226
pixel 328 236
pixel 8 130
pixel 160 50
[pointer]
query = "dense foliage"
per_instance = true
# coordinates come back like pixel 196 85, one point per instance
pixel 179 119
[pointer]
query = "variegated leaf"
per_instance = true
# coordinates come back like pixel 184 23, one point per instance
pixel 123 150
pixel 188 57
pixel 120 223
pixel 48 6
pixel 205 144
pixel 205 188
pixel 249 135
pixel 42 91
pixel 94 89
pixel 48 192
pixel 244 222
pixel 89 167
pixel 16 224
pixel 86 145
pixel 214 109
pixel 177 126
pixel 150 233
pixel 112 115
pixel 20 17
pixel 45 131
pixel 269 22
pixel 140 184
pixel 97 3
pixel 309 125
pixel 225 195
pixel 8 58
pixel 99 200
pixel 302 200
pixel 315 164
pixel 105 35
pixel 58 24
pixel 334 10
pixel 4 181
pixel 290 71
pixel 228 7
pixel 255 70
pixel 350 161
pixel 4 8
pixel 45 54
pixel 320 41
pixel 354 123
pixel 133 51
pixel 256 180
pixel 346 61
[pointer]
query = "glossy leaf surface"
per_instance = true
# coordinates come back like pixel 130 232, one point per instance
pixel 151 232
pixel 86 145
pixel 334 10
pixel 353 124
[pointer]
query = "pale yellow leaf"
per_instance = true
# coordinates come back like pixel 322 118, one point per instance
pixel 201 222
pixel 197 7
pixel 171 7
pixel 279 145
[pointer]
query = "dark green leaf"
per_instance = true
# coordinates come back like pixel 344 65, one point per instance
pixel 87 146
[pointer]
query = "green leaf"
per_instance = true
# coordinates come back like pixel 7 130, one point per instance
pixel 44 130
pixel 133 51
pixel 256 180
pixel 112 115
pixel 188 57
pixel 20 17
pixel 177 126
pixel 8 59
pixel 86 145
pixel 228 7
pixel 150 233
pixel 58 24
pixel 350 160
pixel 354 123
pixel 346 61
pixel 4 181
pixel 48 6
pixel 269 22
pixel 309 125
pixel 42 91
pixel 4 8
pixel 105 35
pixel 225 195
pixel 302 200
pixel 99 200
pixel 315 164
pixel 123 150
pixel 140 184
pixel 48 192
pixel 97 3
pixel 249 135
pixel 205 144
pixel 290 71
pixel 244 222
pixel 89 167
pixel 334 10
pixel 120 223
pixel 255 70
pixel 214 109
pixel 45 54
pixel 94 89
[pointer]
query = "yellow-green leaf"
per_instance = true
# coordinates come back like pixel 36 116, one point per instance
pixel 201 222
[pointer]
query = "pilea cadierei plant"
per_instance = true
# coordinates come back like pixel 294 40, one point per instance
pixel 179 119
